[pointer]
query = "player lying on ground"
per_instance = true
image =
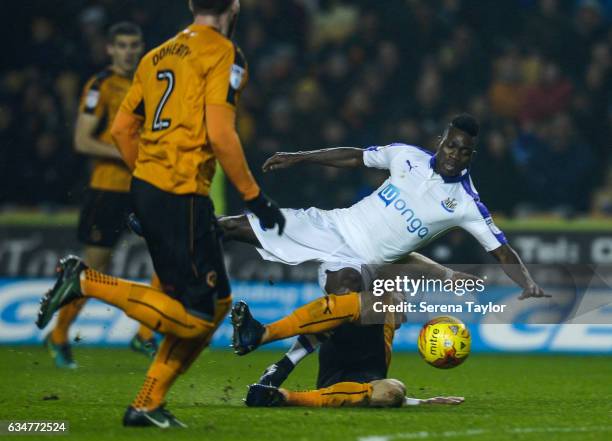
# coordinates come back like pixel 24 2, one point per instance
pixel 354 362
pixel 177 120
pixel 377 393
pixel 425 195
pixel 107 200
pixel 343 281
pixel 353 366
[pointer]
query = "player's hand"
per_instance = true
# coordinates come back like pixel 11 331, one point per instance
pixel 444 400
pixel 280 160
pixel 268 212
pixel 533 291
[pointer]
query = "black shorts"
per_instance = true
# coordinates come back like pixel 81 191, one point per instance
pixel 353 353
pixel 184 240
pixel 103 217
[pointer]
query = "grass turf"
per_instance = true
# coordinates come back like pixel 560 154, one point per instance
pixel 507 397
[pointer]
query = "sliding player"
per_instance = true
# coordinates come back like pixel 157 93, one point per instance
pixel 387 392
pixel 107 201
pixel 176 121
pixel 425 195
pixel 353 366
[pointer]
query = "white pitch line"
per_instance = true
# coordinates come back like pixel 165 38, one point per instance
pixel 475 432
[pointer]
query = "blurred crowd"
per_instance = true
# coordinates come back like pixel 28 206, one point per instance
pixel 536 73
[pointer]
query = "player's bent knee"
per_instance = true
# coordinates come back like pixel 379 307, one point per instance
pixel 199 330
pixel 229 223
pixel 344 281
pixel 351 279
pixel 387 393
pixel 234 225
pixel 184 326
pixel 238 228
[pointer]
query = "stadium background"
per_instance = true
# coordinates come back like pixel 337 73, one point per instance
pixel 537 74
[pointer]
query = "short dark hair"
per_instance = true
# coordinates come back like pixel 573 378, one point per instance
pixel 123 28
pixel 466 123
pixel 215 7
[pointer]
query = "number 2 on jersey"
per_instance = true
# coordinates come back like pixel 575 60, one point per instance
pixel 158 122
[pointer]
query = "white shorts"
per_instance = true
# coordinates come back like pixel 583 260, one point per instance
pixel 310 235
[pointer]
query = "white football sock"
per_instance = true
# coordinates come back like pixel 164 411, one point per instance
pixel 303 346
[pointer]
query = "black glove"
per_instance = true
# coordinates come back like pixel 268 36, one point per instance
pixel 268 212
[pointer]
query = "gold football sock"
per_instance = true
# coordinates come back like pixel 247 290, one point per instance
pixel 221 309
pixel 337 395
pixel 67 315
pixel 151 307
pixel 318 316
pixel 174 358
pixel 144 332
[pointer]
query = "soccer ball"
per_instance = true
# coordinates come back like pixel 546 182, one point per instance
pixel 444 342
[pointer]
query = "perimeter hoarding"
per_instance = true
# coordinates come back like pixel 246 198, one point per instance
pixel 100 324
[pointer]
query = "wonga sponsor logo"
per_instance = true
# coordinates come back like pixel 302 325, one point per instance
pixel 390 195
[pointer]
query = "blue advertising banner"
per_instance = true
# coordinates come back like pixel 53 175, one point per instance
pixel 100 324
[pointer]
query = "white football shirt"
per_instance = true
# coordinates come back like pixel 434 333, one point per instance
pixel 414 205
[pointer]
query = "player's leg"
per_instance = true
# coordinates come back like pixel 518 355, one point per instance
pixel 174 358
pixel 99 229
pixel 168 242
pixel 144 334
pixel 339 281
pixel 353 365
pixel 378 393
pixel 98 258
pixel 345 394
pixel 238 228
pixel 101 225
pixel 320 315
pixel 141 302
pixel 276 373
pixel 188 258
pixel 375 393
pixel 144 341
pixel 57 341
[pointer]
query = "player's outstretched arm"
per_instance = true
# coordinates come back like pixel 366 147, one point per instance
pixel 435 400
pixel 342 157
pixel 514 267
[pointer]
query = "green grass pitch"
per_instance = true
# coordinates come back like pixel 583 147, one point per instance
pixel 508 397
